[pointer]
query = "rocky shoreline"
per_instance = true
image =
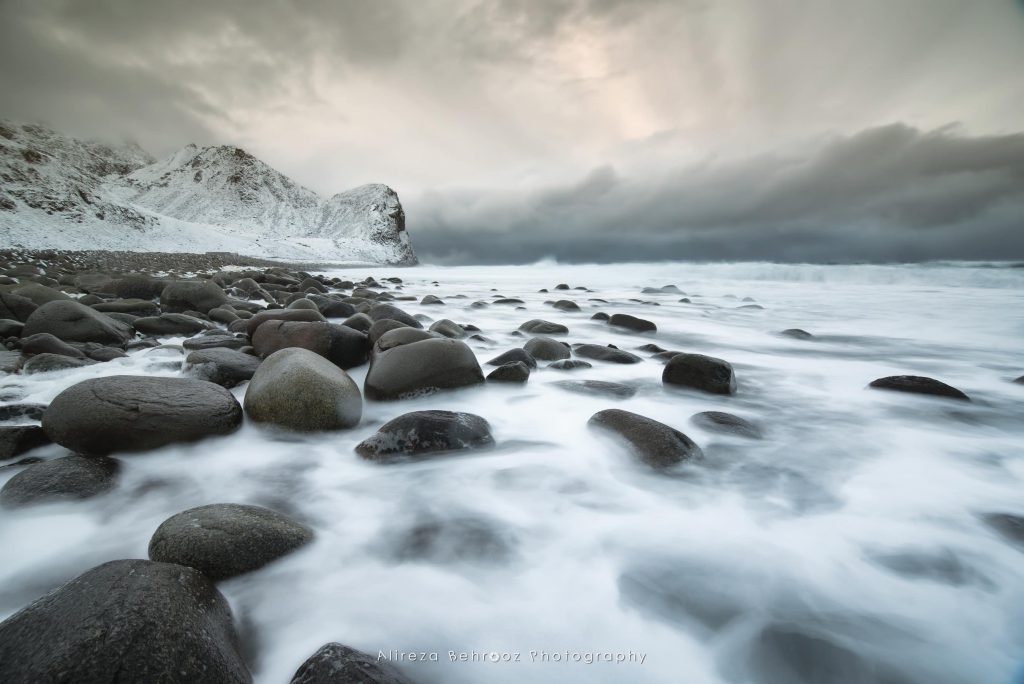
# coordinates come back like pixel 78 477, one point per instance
pixel 292 335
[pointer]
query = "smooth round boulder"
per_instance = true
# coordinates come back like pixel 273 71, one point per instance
pixel 448 329
pixel 402 335
pixel 512 356
pixel 136 413
pixel 225 540
pixel 139 307
pixel 46 363
pixel 547 349
pixel 217 340
pixel 541 327
pixel 339 344
pixel 570 364
pixel 610 354
pixel 917 384
pixel 334 663
pixel 380 312
pixel 125 621
pixel 426 432
pixel 179 296
pixel 704 373
pixel 720 421
pixel 299 390
pixel 225 367
pixel 621 320
pixel 170 324
pixel 380 327
pixel 45 343
pixel 249 326
pixel 431 300
pixel 67 478
pixel 74 322
pixel 796 334
pixel 654 444
pixel 421 368
pixel 17 439
pixel 40 294
pixel 15 307
pixel 566 305
pixel 515 372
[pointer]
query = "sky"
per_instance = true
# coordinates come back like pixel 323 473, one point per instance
pixel 579 130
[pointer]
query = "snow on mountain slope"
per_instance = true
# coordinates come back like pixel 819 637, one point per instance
pixel 61 192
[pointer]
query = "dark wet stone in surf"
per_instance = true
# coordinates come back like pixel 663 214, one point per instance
pixel 426 432
pixel 917 384
pixel 704 373
pixel 720 421
pixel 68 478
pixel 570 364
pixel 515 372
pixel 512 356
pixel 614 390
pixel 632 323
pixel 653 443
pixel 610 354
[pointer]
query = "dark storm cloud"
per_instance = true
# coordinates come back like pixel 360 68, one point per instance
pixel 886 193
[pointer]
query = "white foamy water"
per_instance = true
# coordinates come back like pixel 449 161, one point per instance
pixel 847 539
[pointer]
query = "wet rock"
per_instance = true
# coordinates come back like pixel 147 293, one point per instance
pixel 696 371
pixel 514 356
pixel 363 323
pixel 652 348
pixel 566 305
pixel 665 289
pixel 653 443
pixel 383 326
pixel 226 540
pixel 1009 526
pixel 17 439
pixel 40 294
pixel 508 300
pixel 562 286
pixel 136 413
pixel 45 343
pixel 303 303
pixel 421 368
pixel 201 295
pixel 225 367
pixel 170 324
pixel 541 327
pixel 448 329
pixel 125 621
pixel 380 312
pixel 431 300
pixel 719 421
pixel 334 663
pixel 339 344
pixel 600 316
pixel 21 412
pixel 220 340
pixel 10 328
pixel 916 384
pixel 332 308
pixel 570 364
pixel 1020 380
pixel 632 323
pixel 61 479
pixel 15 307
pixel 137 307
pixel 138 286
pixel 796 334
pixel 101 353
pixel 251 325
pixel 515 372
pixel 299 390
pixel 46 363
pixel 614 390
pixel 666 356
pixel 223 314
pixel 426 432
pixel 399 336
pixel 74 322
pixel 547 349
pixel 610 354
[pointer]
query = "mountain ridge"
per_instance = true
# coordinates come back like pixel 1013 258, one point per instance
pixel 62 192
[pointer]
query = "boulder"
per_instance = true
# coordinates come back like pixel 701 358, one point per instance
pixel 704 373
pixel 403 335
pixel 383 326
pixel 600 316
pixel 201 295
pixel 610 354
pixel 45 343
pixel 303 303
pixel 916 384
pixel 614 390
pixel 566 305
pixel 426 432
pixel 17 439
pixel 224 367
pixel 170 324
pixel 135 413
pixel 448 329
pixel 421 368
pixel 339 344
pixel 653 443
pixel 363 323
pixel 138 307
pixel 291 315
pixel 720 421
pixel 547 349
pixel 125 621
pixel 60 479
pixel 46 363
pixel 218 340
pixel 300 390
pixel 138 286
pixel 570 364
pixel 10 328
pixel 380 312
pixel 796 334
pixel 513 356
pixel 542 327
pixel 40 294
pixel 334 663
pixel 431 300
pixel 225 540
pixel 515 372
pixel 632 323
pixel 74 322
pixel 16 307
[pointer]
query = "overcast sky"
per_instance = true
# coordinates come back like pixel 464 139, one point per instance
pixel 586 130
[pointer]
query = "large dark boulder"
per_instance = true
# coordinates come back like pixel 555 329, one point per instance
pixel 610 354
pixel 224 367
pixel 225 540
pixel 16 307
pixel 138 286
pixel 215 339
pixel 125 621
pixel 400 336
pixel 135 413
pixel 426 432
pixel 541 327
pixel 74 322
pixel 547 349
pixel 17 439
pixel 448 329
pixel 653 443
pixel 332 308
pixel 45 363
pixel 421 368
pixel 192 295
pixel 294 315
pixel 60 479
pixel 299 390
pixel 633 323
pixel 570 364
pixel 339 344
pixel 516 372
pixel 517 355
pixel 381 312
pixel 696 371
pixel 334 663
pixel 171 324
pixel 138 307
pixel 40 294
pixel 45 343
pixel 916 384
pixel 720 421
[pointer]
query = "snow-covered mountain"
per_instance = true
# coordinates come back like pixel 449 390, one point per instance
pixel 59 192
